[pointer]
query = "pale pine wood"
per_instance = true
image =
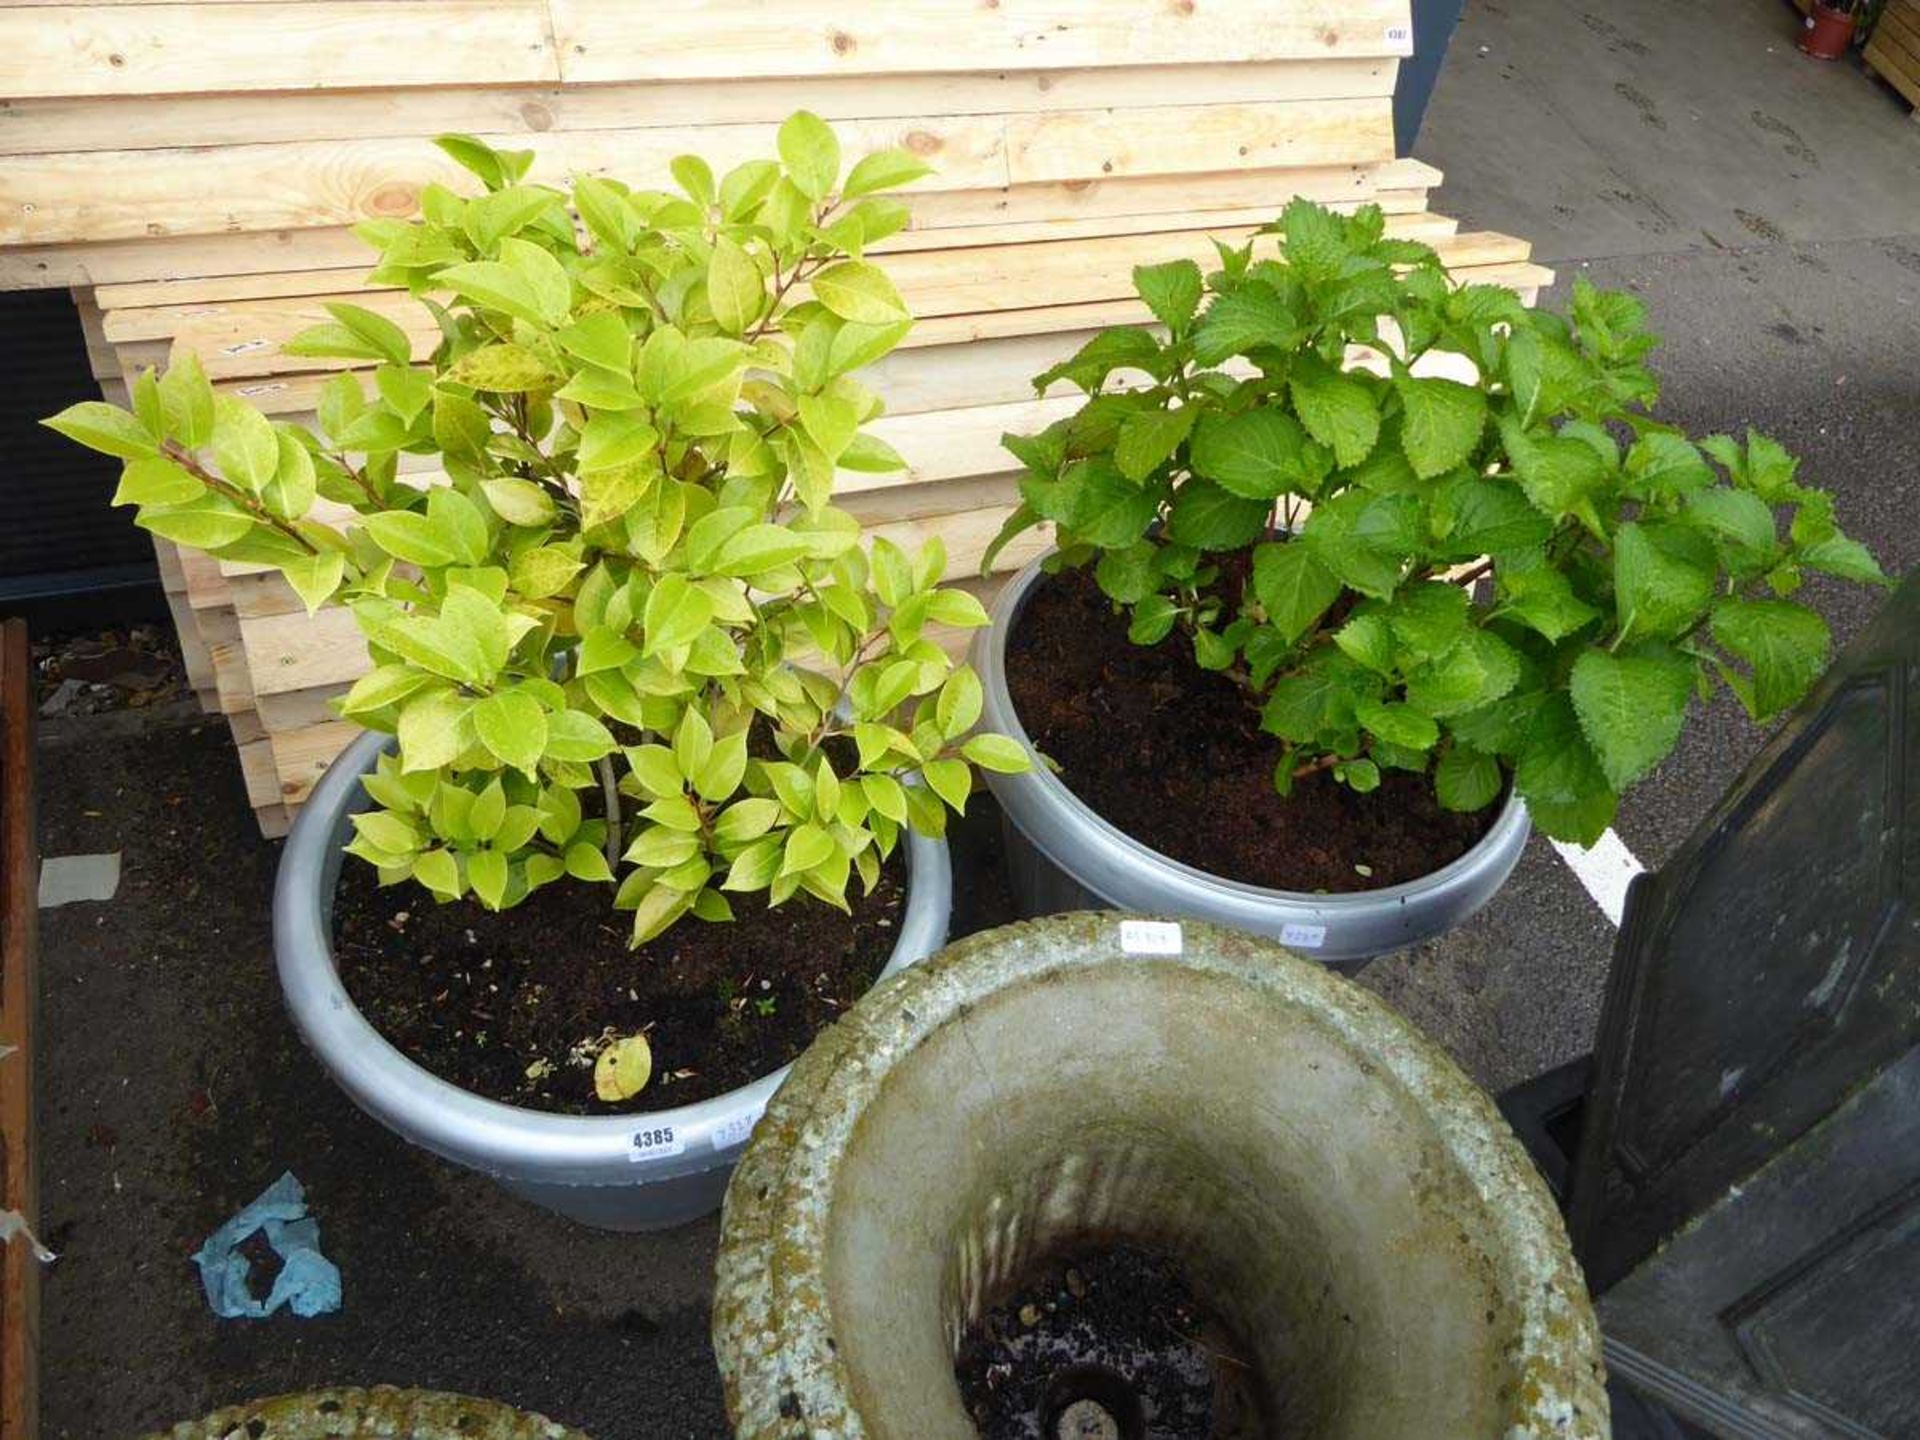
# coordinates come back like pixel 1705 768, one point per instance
pixel 1408 222
pixel 297 709
pixel 951 444
pixel 599 41
pixel 991 278
pixel 1399 185
pixel 233 677
pixel 51 125
pixel 110 50
pixel 1183 139
pixel 1227 188
pixel 300 757
pixel 151 310
pixel 251 360
pixel 983 285
pixel 195 658
pixel 161 257
pixel 206 586
pixel 102 195
pixel 102 360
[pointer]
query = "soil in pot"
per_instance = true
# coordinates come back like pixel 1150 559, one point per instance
pixel 1106 1344
pixel 515 1006
pixel 1174 756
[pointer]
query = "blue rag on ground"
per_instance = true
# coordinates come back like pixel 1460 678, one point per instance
pixel 307 1281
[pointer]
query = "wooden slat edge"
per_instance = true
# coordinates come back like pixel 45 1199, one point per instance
pixel 19 932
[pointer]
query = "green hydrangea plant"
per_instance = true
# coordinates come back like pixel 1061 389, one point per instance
pixel 1313 527
pixel 630 629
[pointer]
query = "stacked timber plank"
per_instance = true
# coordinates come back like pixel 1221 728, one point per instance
pixel 191 170
pixel 1893 49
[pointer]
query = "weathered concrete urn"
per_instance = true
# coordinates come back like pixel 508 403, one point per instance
pixel 381 1411
pixel 1349 1204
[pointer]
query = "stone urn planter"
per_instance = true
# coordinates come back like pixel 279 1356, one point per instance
pixel 620 1172
pixel 382 1411
pixel 1061 855
pixel 1350 1207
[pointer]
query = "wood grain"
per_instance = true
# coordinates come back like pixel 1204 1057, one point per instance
pixel 67 123
pixel 1398 184
pixel 108 195
pixel 105 195
pixel 1184 139
pixel 597 40
pixel 978 283
pixel 114 50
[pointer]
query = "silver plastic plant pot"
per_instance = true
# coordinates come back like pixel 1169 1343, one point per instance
pixel 618 1172
pixel 381 1411
pixel 1345 1202
pixel 1063 856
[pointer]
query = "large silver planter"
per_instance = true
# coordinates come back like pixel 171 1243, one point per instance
pixel 619 1172
pixel 1339 1195
pixel 1062 856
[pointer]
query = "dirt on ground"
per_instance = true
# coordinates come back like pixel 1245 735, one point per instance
pixel 100 670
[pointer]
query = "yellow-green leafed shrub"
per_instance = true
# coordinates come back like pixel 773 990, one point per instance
pixel 629 628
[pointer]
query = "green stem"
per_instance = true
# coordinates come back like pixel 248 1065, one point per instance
pixel 359 478
pixel 183 457
pixel 610 794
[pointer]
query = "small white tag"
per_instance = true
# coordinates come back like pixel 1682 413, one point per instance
pixel 1150 937
pixel 1307 937
pixel 1399 35
pixel 656 1142
pixel 736 1129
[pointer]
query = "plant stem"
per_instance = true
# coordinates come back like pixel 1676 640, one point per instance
pixel 610 793
pixel 359 478
pixel 184 458
pixel 782 284
pixel 780 289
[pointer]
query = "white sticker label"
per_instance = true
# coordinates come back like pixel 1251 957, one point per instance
pixel 736 1129
pixel 656 1142
pixel 1307 937
pixel 1399 35
pixel 1150 937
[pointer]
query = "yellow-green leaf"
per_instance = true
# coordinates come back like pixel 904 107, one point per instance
pixel 623 1069
pixel 857 291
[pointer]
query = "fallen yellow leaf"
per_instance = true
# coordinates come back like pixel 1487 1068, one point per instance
pixel 623 1069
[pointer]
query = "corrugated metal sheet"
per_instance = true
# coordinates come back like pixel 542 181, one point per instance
pixel 54 515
